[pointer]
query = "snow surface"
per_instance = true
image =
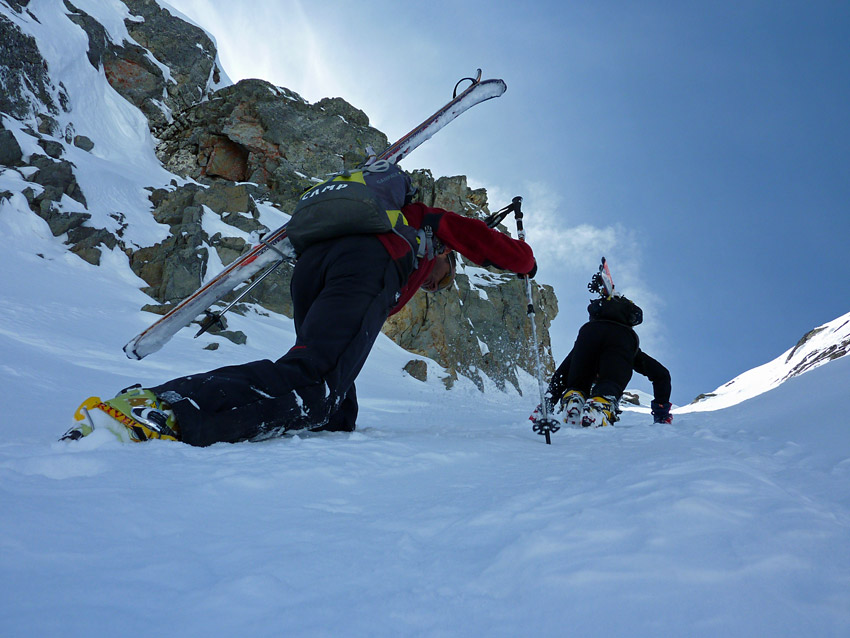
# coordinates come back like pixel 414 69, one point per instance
pixel 443 515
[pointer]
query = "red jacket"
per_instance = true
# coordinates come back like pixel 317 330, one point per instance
pixel 470 237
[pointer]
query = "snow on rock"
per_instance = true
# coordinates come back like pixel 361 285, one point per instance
pixel 819 346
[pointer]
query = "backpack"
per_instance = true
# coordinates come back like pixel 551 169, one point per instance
pixel 362 201
pixel 616 309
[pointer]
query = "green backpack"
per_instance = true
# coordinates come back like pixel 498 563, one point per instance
pixel 365 200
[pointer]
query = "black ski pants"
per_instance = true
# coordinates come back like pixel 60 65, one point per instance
pixel 342 293
pixel 602 359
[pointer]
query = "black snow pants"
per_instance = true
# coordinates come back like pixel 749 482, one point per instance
pixel 342 293
pixel 602 359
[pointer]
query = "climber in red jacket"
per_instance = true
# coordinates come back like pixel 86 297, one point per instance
pixel 343 290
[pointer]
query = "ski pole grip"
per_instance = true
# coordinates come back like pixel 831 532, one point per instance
pixel 516 204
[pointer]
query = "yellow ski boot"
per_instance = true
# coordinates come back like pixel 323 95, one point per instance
pixel 136 414
pixel 599 412
pixel 572 403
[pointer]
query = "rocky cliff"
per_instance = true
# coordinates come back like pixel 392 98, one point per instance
pixel 232 150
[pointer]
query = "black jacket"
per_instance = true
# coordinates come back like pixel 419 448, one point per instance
pixel 643 364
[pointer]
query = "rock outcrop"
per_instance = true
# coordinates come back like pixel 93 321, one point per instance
pixel 255 132
pixel 26 88
pixel 170 66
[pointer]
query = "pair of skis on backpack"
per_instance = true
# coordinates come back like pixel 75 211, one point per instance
pixel 276 247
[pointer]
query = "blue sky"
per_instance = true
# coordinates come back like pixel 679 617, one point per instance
pixel 702 147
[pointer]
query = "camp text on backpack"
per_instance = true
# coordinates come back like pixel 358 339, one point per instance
pixel 365 200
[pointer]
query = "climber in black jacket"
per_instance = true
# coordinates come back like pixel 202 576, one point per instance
pixel 599 366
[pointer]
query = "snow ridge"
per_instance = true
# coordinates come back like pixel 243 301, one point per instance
pixel 818 347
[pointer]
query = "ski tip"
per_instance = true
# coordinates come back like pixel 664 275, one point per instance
pixel 499 85
pixel 131 352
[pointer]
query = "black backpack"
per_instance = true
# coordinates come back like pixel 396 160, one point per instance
pixel 617 309
pixel 362 201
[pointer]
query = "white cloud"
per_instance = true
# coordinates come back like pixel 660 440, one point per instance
pixel 261 40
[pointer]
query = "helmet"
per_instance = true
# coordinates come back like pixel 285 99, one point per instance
pixel 443 273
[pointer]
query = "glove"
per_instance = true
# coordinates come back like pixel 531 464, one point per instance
pixel 661 412
pixel 530 274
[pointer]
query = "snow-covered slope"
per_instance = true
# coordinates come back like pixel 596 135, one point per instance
pixel 822 345
pixel 443 515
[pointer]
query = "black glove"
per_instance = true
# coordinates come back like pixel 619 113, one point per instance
pixel 661 412
pixel 531 273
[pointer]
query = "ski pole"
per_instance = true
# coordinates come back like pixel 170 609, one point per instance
pixel 546 425
pixel 496 218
